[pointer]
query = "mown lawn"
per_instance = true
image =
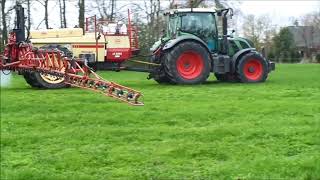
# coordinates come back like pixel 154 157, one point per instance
pixel 211 131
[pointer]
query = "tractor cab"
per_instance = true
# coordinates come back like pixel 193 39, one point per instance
pixel 199 22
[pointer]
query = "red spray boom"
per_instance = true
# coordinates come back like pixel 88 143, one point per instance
pixel 22 57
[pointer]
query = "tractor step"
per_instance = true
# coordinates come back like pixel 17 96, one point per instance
pixel 221 64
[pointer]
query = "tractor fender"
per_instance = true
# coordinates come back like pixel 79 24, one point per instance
pixel 237 56
pixel 171 43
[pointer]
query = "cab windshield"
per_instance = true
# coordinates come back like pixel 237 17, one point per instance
pixel 200 24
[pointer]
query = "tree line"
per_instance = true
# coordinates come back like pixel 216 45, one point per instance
pixel 290 44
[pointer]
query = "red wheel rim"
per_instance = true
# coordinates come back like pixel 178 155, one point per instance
pixel 253 69
pixel 190 65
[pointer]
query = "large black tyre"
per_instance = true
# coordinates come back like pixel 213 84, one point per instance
pixel 29 77
pixel 159 74
pixel 162 78
pixel 252 68
pixel 38 80
pixel 187 63
pixel 46 83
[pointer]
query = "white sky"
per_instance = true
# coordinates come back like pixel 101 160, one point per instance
pixel 282 12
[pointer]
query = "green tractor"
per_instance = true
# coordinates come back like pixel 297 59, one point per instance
pixel 191 48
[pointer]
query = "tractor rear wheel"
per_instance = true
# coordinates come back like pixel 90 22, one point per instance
pixel 187 63
pixel 252 68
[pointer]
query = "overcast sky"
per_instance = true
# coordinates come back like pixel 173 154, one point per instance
pixel 282 12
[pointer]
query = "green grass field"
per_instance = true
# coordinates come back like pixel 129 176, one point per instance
pixel 211 131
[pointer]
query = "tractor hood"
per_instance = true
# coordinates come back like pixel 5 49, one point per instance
pixel 245 40
pixel 155 45
pixel 158 43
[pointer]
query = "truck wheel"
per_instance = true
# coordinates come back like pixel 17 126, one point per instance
pixel 252 68
pixel 228 77
pixel 187 63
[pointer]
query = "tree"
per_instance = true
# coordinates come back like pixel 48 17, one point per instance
pixel 113 4
pixel 150 22
pixel 6 17
pixel 81 13
pixel 268 41
pixel 155 24
pixel 307 33
pixel 195 3
pixel 4 26
pixel 255 28
pixel 172 4
pixel 284 48
pixel 107 9
pixel 4 33
pixel 63 20
pixel 310 26
pixel 311 19
pixel 200 3
pixel 45 4
pixel 29 16
pixel 219 4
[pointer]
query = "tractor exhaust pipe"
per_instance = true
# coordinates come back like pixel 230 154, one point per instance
pixel 225 44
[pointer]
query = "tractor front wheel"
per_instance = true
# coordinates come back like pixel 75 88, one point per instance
pixel 159 74
pixel 252 68
pixel 187 63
